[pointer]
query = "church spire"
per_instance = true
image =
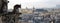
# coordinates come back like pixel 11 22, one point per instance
pixel 26 8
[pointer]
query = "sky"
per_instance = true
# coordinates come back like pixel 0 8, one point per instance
pixel 34 3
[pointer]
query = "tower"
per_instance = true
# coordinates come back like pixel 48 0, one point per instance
pixel 26 8
pixel 33 9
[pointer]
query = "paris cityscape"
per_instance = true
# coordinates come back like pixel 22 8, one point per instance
pixel 29 11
